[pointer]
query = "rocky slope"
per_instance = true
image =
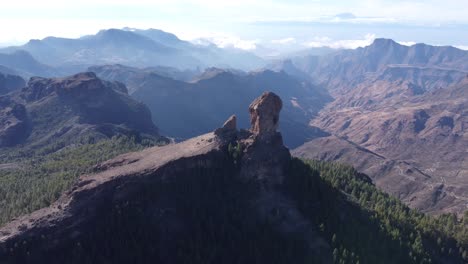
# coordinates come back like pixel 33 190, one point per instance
pixel 399 115
pixel 345 69
pixel 186 109
pixel 63 111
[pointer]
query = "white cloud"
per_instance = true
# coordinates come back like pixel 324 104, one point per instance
pixel 67 3
pixel 462 47
pixel 319 42
pixel 351 18
pixel 67 28
pixel 70 18
pixel 224 40
pixel 284 41
pixel 406 43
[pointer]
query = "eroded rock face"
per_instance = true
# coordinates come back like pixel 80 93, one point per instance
pixel 264 114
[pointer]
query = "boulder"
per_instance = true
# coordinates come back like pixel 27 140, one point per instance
pixel 230 126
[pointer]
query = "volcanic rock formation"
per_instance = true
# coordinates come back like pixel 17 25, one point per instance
pixel 103 209
pixel 264 114
pixel 265 156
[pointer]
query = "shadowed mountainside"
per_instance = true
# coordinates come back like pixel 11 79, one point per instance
pixel 22 63
pixel 185 109
pixel 9 82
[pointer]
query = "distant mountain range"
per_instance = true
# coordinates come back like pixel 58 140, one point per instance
pixel 185 109
pixel 22 63
pixel 399 114
pixel 396 112
pixel 141 48
pixel 341 69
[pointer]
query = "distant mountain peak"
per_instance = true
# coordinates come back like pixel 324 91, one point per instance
pixel 384 42
pixel 33 42
pixel 112 32
pixel 129 46
pixel 346 16
pixel 214 72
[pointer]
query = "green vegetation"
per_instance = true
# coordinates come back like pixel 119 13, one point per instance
pixel 43 174
pixel 365 225
pixel 235 152
pixel 207 215
pixel 198 216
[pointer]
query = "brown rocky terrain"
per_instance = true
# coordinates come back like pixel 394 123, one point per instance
pixel 58 234
pixel 400 116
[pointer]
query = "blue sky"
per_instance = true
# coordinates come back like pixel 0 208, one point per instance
pixel 266 25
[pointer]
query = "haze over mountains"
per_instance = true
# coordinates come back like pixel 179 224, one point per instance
pixel 141 48
pixel 414 95
pixel 398 114
pixel 186 109
pixel 20 62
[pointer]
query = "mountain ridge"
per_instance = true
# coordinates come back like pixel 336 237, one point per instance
pixel 85 104
pixel 139 48
pixel 197 106
pixel 408 105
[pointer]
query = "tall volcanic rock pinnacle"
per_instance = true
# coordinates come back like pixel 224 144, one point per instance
pixel 265 157
pixel 151 188
pixel 264 114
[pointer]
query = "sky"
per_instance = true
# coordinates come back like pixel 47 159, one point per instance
pixel 263 26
